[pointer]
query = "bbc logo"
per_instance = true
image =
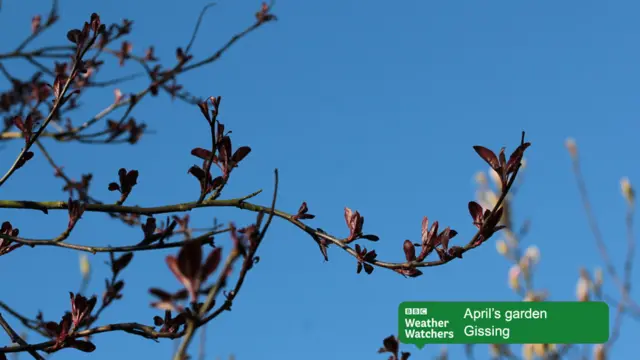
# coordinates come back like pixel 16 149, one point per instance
pixel 415 311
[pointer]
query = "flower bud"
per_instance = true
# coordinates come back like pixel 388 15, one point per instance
pixel 494 351
pixel 514 277
pixel 599 352
pixel 481 178
pixel 527 351
pixel 570 143
pixel 533 254
pixel 627 191
pixel 85 266
pixel 582 289
pixel 502 248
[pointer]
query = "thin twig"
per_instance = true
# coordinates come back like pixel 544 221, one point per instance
pixel 195 30
pixel 16 338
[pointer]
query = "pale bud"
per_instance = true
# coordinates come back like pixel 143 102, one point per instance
pixel 494 350
pixel 85 266
pixel 627 191
pixel 582 289
pixel 491 198
pixel 495 178
pixel 118 96
pixel 570 143
pixel 511 240
pixel 533 254
pixel 524 265
pixel 598 277
pixel 514 277
pixel 527 351
pixel 481 178
pixel 539 349
pixel 502 248
pixel 599 352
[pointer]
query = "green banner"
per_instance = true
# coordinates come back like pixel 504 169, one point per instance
pixel 422 323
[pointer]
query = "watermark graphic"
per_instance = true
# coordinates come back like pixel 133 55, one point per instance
pixel 422 323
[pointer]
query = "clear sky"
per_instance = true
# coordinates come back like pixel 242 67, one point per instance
pixel 367 104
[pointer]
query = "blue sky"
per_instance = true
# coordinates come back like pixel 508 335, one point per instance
pixel 371 105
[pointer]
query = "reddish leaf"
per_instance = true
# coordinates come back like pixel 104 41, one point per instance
pixel 390 345
pixel 85 346
pixel 476 212
pixel 456 251
pixel 114 187
pixel 190 259
pixel 425 230
pixel 122 262
pixel 240 154
pixel 516 157
pixel 488 156
pixel 204 108
pixel 370 256
pixel 201 153
pixel 211 263
pixel 160 293
pixel 58 84
pixel 197 172
pixel 217 182
pixel 433 234
pixel 368 268
pixel 409 250
pixel 74 35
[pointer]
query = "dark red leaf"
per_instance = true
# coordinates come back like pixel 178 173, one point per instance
pixel 212 262
pixel 74 35
pixel 58 84
pixel 516 157
pixel 85 346
pixel 476 211
pixel 163 295
pixel 204 107
pixel 190 259
pixel 390 345
pixel 197 172
pixel 240 154
pixel 370 256
pixel 201 153
pixel 368 268
pixel 409 250
pixel 158 321
pixel 456 251
pixel 488 156
pixel 114 187
pixel 217 182
pixel 122 262
pixel 425 230
pixel 369 237
pixel 433 234
pixel 132 178
pixel 502 157
pixel 444 238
